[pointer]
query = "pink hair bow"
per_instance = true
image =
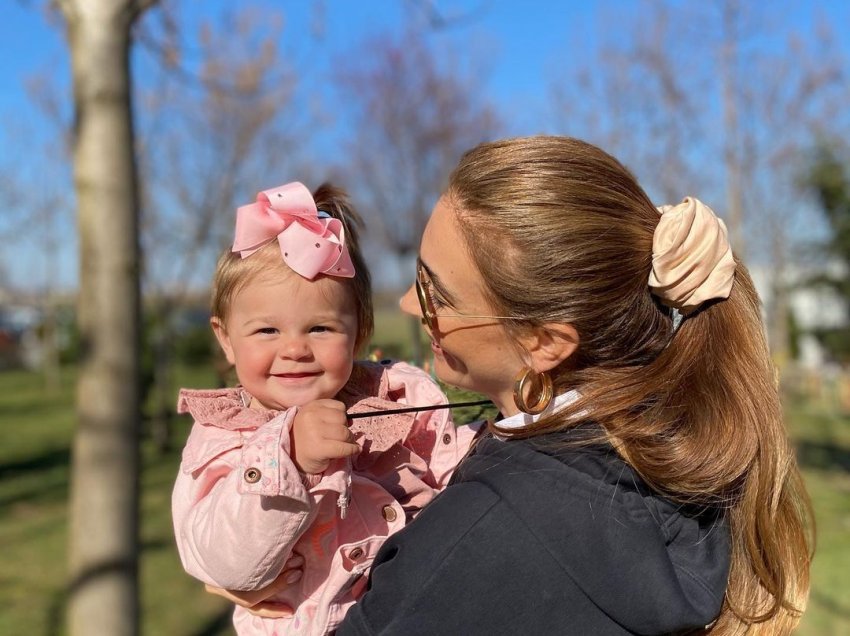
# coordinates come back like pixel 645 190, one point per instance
pixel 691 258
pixel 310 244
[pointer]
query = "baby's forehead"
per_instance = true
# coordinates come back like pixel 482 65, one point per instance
pixel 285 283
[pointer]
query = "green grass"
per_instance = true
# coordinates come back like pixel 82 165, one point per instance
pixel 35 440
pixel 822 438
pixel 35 436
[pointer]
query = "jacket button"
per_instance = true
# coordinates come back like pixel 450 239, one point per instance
pixel 356 553
pixel 252 475
pixel 447 438
pixel 389 513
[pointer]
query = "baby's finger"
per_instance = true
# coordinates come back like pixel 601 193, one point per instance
pixel 335 449
pixel 338 433
pixel 242 598
pixel 334 405
pixel 270 609
pixel 289 576
pixel 294 562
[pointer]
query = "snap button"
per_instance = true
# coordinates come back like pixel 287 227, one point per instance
pixel 252 475
pixel 356 553
pixel 447 438
pixel 389 513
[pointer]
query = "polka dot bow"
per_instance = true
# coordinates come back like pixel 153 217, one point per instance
pixel 310 244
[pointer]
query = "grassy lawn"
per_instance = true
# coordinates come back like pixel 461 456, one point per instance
pixel 34 454
pixel 35 434
pixel 822 438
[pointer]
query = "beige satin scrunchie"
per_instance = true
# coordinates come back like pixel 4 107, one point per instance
pixel 691 258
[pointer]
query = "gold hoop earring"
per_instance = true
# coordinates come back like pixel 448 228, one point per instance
pixel 541 384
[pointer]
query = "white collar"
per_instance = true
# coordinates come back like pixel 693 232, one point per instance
pixel 521 419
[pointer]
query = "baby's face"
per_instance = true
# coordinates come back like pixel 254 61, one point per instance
pixel 291 340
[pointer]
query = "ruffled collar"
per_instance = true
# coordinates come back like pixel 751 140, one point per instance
pixel 367 390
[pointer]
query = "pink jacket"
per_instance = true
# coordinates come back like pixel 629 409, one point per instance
pixel 241 508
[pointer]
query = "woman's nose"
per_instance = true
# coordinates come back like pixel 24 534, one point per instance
pixel 409 303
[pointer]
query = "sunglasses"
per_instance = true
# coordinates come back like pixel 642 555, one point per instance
pixel 426 304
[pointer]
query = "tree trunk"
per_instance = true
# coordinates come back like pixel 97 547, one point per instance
pixel 778 308
pixel 732 127
pixel 51 363
pixel 103 594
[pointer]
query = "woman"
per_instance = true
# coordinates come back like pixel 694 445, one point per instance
pixel 640 479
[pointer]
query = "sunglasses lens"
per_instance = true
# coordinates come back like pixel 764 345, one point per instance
pixel 424 302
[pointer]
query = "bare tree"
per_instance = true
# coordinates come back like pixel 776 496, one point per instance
pixel 48 210
pixel 48 206
pixel 805 100
pixel 729 55
pixel 37 211
pixel 39 223
pixel 696 104
pixel 216 129
pixel 634 100
pixel 103 589
pixel 213 131
pixel 414 115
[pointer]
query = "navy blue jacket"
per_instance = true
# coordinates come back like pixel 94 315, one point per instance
pixel 533 539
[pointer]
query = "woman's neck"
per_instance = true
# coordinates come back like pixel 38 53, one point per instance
pixel 505 404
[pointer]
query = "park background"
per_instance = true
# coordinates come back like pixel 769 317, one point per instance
pixel 744 105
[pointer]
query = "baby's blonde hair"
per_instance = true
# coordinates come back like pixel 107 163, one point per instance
pixel 233 272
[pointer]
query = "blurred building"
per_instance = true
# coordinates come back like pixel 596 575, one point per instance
pixel 23 323
pixel 814 308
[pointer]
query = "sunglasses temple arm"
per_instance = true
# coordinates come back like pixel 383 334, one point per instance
pixel 416 409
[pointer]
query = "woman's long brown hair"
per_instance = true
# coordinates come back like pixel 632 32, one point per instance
pixel 695 412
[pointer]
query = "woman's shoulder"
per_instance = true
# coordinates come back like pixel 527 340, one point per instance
pixel 585 507
pixel 516 525
pixel 552 457
pixel 567 467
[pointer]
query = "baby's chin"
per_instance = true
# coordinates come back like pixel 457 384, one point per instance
pixel 269 403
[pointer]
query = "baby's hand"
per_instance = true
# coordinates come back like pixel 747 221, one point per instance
pixel 319 434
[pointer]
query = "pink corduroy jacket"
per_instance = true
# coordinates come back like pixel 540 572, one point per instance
pixel 241 508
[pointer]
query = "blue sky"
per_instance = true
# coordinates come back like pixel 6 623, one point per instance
pixel 518 44
pixel 524 40
pixel 523 44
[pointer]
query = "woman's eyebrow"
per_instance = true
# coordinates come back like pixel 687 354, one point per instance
pixel 438 284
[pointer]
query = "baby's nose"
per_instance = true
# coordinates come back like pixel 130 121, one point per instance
pixel 295 349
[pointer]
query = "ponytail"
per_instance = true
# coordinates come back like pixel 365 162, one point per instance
pixel 692 407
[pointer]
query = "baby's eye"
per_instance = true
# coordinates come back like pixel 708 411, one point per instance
pixel 268 331
pixel 319 329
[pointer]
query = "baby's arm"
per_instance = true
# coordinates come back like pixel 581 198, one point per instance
pixel 237 517
pixel 239 504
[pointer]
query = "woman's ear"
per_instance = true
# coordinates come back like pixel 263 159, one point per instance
pixel 220 332
pixel 549 345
